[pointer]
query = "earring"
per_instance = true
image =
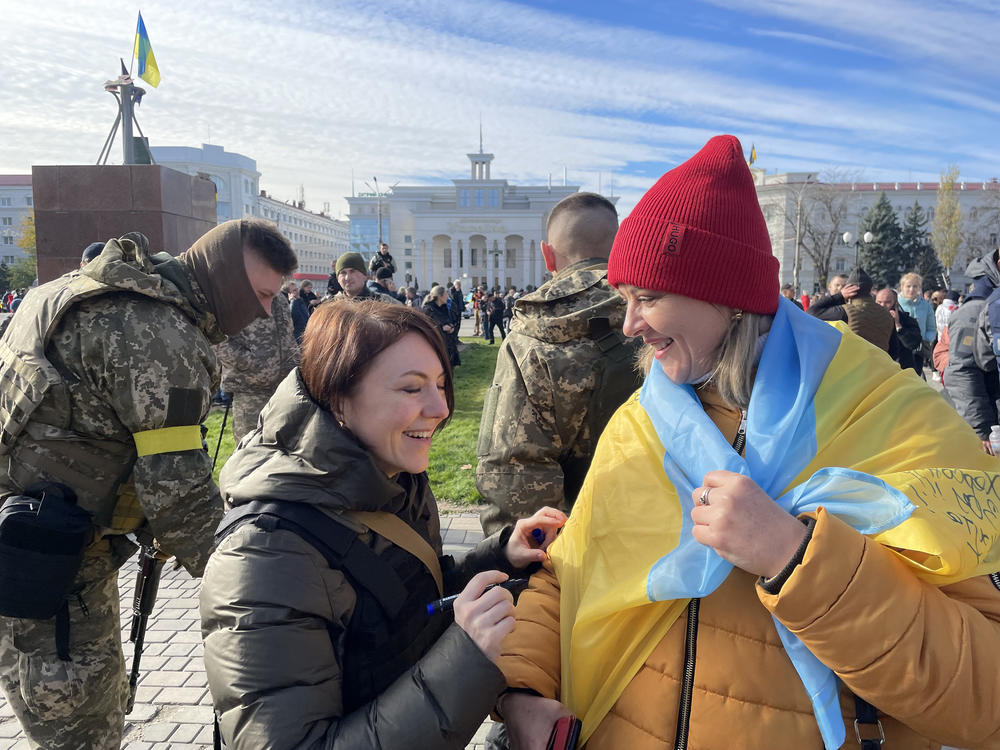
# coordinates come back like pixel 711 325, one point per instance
pixel 738 315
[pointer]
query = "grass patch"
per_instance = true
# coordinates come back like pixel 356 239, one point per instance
pixel 213 423
pixel 453 447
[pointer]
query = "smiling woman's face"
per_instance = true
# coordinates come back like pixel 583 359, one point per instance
pixel 398 405
pixel 685 334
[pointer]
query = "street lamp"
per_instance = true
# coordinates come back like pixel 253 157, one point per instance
pixel 849 238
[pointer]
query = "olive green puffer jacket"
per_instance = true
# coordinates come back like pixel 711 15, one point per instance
pixel 274 613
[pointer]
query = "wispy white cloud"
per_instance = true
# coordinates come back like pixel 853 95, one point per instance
pixel 812 39
pixel 312 89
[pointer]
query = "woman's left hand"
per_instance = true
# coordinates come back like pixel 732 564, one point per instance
pixel 523 548
pixel 744 525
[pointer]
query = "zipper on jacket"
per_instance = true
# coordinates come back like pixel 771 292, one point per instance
pixel 691 634
pixel 687 685
pixel 740 441
pixel 995 577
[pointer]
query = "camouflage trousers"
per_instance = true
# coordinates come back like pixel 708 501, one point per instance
pixel 246 410
pixel 68 705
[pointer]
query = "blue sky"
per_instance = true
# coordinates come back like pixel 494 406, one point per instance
pixel 875 89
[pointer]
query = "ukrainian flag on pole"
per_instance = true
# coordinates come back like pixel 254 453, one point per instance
pixel 144 54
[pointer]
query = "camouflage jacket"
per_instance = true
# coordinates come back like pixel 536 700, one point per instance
pixel 121 347
pixel 560 374
pixel 259 356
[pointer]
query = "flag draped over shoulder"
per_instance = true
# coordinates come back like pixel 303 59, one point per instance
pixel 144 54
pixel 832 422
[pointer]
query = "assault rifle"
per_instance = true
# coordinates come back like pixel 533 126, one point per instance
pixel 147 583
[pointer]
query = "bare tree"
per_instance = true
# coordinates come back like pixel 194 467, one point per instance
pixel 818 216
pixel 982 226
pixel 946 229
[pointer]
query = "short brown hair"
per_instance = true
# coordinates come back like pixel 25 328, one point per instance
pixel 267 241
pixel 344 336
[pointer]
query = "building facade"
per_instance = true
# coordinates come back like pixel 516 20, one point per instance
pixel 16 204
pixel 480 230
pixel 235 176
pixel 792 199
pixel 317 238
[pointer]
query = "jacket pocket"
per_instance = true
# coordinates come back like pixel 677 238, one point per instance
pixel 487 425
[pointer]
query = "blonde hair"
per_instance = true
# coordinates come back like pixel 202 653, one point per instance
pixel 911 277
pixel 736 369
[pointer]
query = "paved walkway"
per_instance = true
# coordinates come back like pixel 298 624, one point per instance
pixel 173 708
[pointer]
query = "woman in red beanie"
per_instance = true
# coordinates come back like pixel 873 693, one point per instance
pixel 766 551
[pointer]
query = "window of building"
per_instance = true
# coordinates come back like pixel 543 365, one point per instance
pixel 7 221
pixel 461 256
pixel 5 201
pixel 479 197
pixel 511 257
pixel 447 257
pixel 993 239
pixel 8 240
pixel 407 251
pixel 408 265
pixel 840 265
pixel 8 259
pixel 407 238
pixel 463 198
pixel 472 256
pixel 27 200
pixel 494 198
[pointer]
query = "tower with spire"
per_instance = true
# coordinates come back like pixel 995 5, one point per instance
pixel 480 161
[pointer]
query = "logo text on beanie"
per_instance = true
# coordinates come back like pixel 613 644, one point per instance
pixel 675 237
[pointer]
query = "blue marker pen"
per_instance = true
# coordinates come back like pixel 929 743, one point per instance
pixel 448 603
pixel 538 535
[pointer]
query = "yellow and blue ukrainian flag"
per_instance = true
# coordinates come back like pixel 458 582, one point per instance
pixel 832 422
pixel 144 54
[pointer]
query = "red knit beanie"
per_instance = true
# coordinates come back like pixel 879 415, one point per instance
pixel 699 232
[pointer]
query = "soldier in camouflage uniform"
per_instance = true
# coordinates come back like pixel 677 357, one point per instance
pixel 560 374
pixel 255 361
pixel 106 374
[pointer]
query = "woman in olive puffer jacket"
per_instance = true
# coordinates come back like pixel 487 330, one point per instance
pixel 298 653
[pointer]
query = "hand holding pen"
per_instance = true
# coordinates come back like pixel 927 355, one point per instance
pixel 485 611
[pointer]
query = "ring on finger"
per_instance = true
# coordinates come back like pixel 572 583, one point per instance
pixel 703 499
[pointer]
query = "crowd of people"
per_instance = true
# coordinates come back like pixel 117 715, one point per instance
pixel 730 517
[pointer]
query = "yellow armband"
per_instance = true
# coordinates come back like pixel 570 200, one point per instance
pixel 168 440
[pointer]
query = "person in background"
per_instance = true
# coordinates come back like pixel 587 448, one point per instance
pixel 298 309
pixel 906 337
pixel 90 252
pixel 788 293
pixel 477 298
pixel 351 275
pixel 308 296
pixel 333 287
pixel 255 360
pixel 971 377
pixel 436 308
pixel 494 307
pixel 303 651
pixel 562 371
pixel 784 576
pixel 911 300
pixel 381 259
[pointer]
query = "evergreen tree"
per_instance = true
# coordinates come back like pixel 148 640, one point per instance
pixel 920 256
pixel 883 258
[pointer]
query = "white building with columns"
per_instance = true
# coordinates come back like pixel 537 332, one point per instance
pixel 779 193
pixel 480 230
